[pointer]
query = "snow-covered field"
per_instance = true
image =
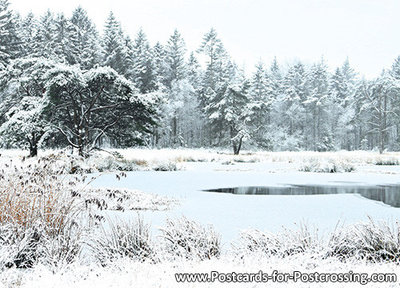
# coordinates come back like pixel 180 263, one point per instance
pixel 197 170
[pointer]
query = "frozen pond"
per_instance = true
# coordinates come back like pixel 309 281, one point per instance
pixel 388 194
pixel 230 213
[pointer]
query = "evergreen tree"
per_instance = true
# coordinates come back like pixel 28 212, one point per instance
pixel 142 70
pixel 23 109
pixel 262 97
pixel 317 104
pixel 83 41
pixel 9 42
pixel 44 40
pixel 290 109
pixel 27 31
pixel 175 58
pixel 116 52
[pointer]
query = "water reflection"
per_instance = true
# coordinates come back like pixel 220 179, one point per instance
pixel 389 194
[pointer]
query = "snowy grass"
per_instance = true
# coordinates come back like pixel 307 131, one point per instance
pixel 371 241
pixel 122 240
pixel 286 243
pixel 45 215
pixel 190 240
pixel 327 165
pixel 36 205
pixel 124 249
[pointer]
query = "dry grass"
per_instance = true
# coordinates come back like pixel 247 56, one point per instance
pixel 36 204
pixel 190 240
pixel 35 195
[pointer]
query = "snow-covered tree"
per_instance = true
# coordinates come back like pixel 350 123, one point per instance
pixel 84 48
pixel 175 59
pixel 27 31
pixel 289 108
pixel 24 122
pixel 316 105
pixel 142 70
pixel 115 50
pixel 341 93
pixel 380 95
pixel 9 41
pixel 98 103
pixel 262 96
pixel 44 40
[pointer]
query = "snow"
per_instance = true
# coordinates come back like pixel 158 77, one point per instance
pixel 229 214
pixel 133 274
pixel 232 213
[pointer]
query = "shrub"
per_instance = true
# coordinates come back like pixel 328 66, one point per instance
pixel 326 166
pixel 36 206
pixel 282 244
pixel 190 240
pixel 387 161
pixel 120 240
pixel 370 241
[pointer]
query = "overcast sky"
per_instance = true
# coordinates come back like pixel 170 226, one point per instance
pixel 367 31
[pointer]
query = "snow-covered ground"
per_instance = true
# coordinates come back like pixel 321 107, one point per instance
pixel 230 214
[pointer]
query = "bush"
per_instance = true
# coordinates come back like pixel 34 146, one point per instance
pixel 165 166
pixel 283 244
pixel 190 240
pixel 387 161
pixel 368 241
pixel 35 207
pixel 120 240
pixel 326 166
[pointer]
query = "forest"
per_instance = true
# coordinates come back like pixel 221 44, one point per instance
pixel 63 83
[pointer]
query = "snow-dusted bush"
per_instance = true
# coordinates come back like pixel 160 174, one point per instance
pixel 387 161
pixel 124 239
pixel 328 165
pixel 37 207
pixel 122 199
pixel 369 241
pixel 165 166
pixel 190 240
pixel 286 243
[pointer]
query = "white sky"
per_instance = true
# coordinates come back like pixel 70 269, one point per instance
pixel 367 31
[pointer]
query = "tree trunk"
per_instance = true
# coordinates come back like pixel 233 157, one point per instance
pixel 33 150
pixel 238 147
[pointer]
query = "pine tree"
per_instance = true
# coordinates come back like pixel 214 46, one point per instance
pixel 217 58
pixel 175 58
pixel 62 47
pixel 142 70
pixel 23 109
pixel 44 40
pixel 262 97
pixel 9 42
pixel 83 41
pixel 159 63
pixel 341 93
pixel 290 108
pixel 114 46
pixel 317 104
pixel 27 33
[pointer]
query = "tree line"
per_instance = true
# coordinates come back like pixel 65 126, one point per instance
pixel 63 83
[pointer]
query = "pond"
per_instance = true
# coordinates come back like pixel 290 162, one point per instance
pixel 388 194
pixel 330 198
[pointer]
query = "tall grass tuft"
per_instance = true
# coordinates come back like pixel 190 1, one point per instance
pixel 36 204
pixel 286 243
pixel 123 240
pixel 370 241
pixel 190 240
